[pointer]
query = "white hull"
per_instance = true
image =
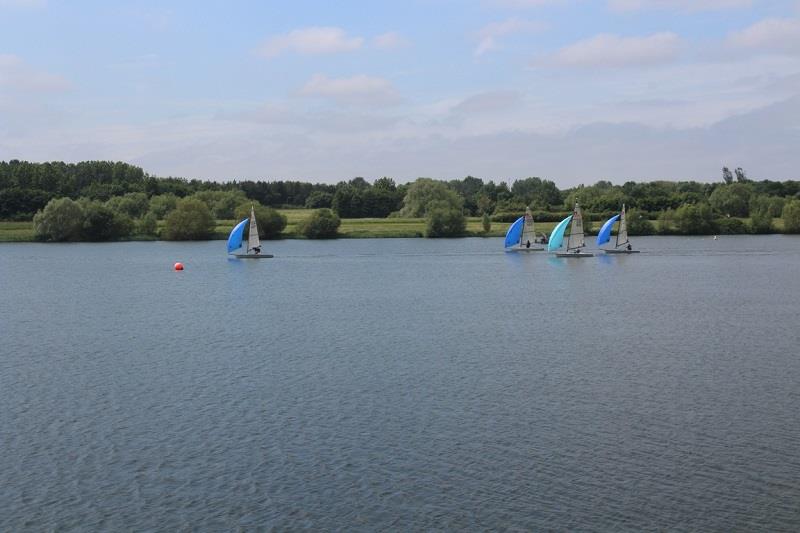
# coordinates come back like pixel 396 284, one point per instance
pixel 574 254
pixel 523 249
pixel 622 251
pixel 253 256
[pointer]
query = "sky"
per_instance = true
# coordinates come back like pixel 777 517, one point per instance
pixel 569 90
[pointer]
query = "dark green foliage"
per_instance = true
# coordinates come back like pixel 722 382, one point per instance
pixel 638 223
pixel 359 199
pixel 424 193
pixel 21 204
pixel 319 199
pixel 791 216
pixel 191 220
pixel 761 215
pixel 732 226
pixel 270 222
pixel 538 216
pixel 322 224
pixel 486 222
pixel 134 204
pixel 147 225
pixel 100 223
pixel 61 220
pixel 444 220
pixel 162 204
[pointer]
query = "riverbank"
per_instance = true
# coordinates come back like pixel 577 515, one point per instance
pixel 352 228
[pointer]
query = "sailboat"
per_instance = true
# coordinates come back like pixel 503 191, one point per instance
pixel 575 240
pixel 622 245
pixel 236 238
pixel 521 236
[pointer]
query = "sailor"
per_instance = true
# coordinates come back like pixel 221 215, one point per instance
pixel 257 249
pixel 629 247
pixel 528 244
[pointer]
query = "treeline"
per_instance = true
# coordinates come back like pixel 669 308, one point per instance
pixel 136 198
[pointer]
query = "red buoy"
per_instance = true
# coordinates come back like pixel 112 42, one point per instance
pixel 178 266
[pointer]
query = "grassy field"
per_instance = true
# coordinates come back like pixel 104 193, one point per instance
pixel 350 228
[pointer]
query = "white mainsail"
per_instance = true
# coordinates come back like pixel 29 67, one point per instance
pixel 528 234
pixel 622 233
pixel 252 238
pixel 575 239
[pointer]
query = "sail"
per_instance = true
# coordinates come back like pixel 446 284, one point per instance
pixel 622 233
pixel 528 234
pixel 514 232
pixel 557 237
pixel 605 232
pixel 575 239
pixel 236 236
pixel 252 239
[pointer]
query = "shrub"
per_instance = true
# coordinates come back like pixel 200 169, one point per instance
pixel 147 225
pixel 486 222
pixel 133 204
pixel 791 216
pixel 100 223
pixel 695 220
pixel 270 222
pixel 732 226
pixel 162 204
pixel 191 220
pixel 61 220
pixel 322 224
pixel 443 220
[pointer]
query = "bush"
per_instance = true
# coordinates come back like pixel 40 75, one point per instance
pixel 732 226
pixel 761 220
pixel 443 220
pixel 695 220
pixel 134 204
pixel 61 220
pixel 100 223
pixel 666 222
pixel 638 223
pixel 486 222
pixel 791 217
pixel 147 225
pixel 322 224
pixel 163 204
pixel 270 222
pixel 190 221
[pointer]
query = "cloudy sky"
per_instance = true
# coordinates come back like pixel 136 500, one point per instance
pixel 570 90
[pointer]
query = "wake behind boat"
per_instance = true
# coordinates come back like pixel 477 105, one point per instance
pixel 622 244
pixel 575 239
pixel 236 238
pixel 521 235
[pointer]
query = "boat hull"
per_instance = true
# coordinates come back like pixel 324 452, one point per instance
pixel 622 251
pixel 253 256
pixel 573 254
pixel 531 249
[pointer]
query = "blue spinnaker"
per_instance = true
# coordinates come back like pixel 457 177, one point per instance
pixel 557 237
pixel 235 238
pixel 605 232
pixel 514 232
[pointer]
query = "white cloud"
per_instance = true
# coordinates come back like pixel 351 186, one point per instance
pixel 607 50
pixel 314 40
pixel 356 89
pixel 681 5
pixel 390 40
pixel 489 34
pixel 773 34
pixel 15 74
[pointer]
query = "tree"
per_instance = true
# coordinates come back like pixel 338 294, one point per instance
pixel 760 215
pixel 444 220
pixel 319 199
pixel 791 216
pixel 731 200
pixel 190 221
pixel 695 219
pixel 423 193
pixel 270 222
pixel 638 223
pixel 666 221
pixel 487 222
pixel 322 224
pixel 100 223
pixel 741 177
pixel 133 204
pixel 162 204
pixel 147 225
pixel 727 176
pixel 61 220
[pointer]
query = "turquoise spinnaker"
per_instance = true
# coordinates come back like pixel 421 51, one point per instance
pixel 235 238
pixel 514 232
pixel 557 237
pixel 605 232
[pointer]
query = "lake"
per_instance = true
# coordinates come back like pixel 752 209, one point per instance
pixel 401 384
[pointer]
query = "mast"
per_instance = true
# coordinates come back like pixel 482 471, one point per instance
pixel 577 229
pixel 252 237
pixel 623 229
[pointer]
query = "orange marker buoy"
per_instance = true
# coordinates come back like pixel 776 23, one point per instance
pixel 178 266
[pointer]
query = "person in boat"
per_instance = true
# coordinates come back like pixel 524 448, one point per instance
pixel 629 247
pixel 257 250
pixel 544 238
pixel 528 244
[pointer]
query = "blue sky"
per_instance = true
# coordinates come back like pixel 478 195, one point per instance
pixel 570 90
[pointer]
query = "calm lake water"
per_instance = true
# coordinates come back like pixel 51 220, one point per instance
pixel 400 384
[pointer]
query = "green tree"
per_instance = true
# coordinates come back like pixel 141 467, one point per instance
pixel 638 223
pixel 147 225
pixel 319 199
pixel 423 193
pixel 190 221
pixel 162 204
pixel 270 222
pixel 695 219
pixel 760 215
pixel 322 224
pixel 487 222
pixel 731 200
pixel 727 175
pixel 100 223
pixel 666 221
pixel 444 220
pixel 791 216
pixel 133 204
pixel 60 220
